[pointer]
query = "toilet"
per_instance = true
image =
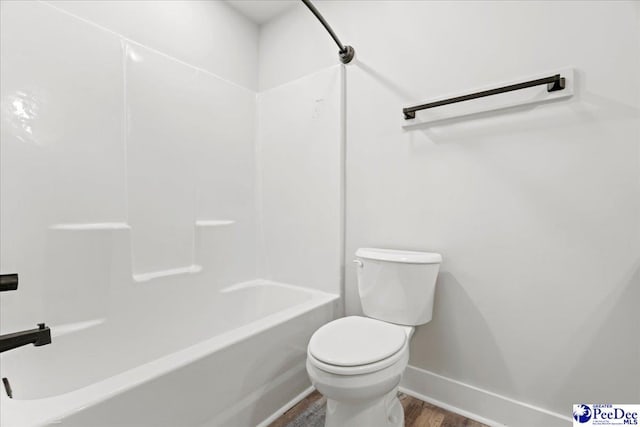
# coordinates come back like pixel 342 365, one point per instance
pixel 357 362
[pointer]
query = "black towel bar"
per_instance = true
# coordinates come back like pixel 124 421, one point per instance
pixel 553 83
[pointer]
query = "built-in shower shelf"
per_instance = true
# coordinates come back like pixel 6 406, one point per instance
pixel 214 222
pixel 91 226
pixel 145 277
pixel 151 275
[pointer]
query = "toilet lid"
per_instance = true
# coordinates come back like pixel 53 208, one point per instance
pixel 354 341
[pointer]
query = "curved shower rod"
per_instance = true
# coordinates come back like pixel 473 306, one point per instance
pixel 346 53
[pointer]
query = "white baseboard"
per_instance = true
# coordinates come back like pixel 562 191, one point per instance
pixel 290 404
pixel 475 403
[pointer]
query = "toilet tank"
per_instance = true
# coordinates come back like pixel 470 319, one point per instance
pixel 397 286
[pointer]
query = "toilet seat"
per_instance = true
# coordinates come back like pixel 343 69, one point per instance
pixel 357 345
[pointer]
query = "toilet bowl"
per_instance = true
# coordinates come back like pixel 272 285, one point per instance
pixel 357 362
pixel 359 382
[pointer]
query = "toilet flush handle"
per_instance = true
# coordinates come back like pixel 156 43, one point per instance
pixel 358 263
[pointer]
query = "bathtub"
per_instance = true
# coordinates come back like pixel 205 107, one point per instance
pixel 234 358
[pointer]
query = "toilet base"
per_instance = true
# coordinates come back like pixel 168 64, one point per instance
pixel 383 412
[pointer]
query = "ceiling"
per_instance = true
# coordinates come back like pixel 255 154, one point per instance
pixel 261 11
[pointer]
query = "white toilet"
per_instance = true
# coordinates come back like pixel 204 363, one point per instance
pixel 357 362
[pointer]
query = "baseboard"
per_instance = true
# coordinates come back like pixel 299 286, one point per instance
pixel 475 403
pixel 290 404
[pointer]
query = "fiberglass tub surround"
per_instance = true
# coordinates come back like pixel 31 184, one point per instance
pixel 142 205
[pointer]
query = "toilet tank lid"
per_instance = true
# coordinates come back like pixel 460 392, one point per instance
pixel 392 255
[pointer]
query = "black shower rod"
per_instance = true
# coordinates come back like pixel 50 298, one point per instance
pixel 346 53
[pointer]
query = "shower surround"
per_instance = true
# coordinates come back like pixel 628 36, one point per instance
pixel 159 216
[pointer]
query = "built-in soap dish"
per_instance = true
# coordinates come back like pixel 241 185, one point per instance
pixel 145 277
pixel 91 226
pixel 214 222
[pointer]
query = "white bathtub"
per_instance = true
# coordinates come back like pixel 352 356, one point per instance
pixel 232 359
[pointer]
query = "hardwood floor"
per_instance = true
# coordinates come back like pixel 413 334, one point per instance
pixel 422 414
pixel 309 412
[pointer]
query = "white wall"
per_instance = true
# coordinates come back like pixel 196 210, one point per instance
pixel 535 210
pixel 294 45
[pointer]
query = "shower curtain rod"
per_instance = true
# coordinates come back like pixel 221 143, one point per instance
pixel 346 53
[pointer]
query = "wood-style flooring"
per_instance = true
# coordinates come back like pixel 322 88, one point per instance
pixel 309 412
